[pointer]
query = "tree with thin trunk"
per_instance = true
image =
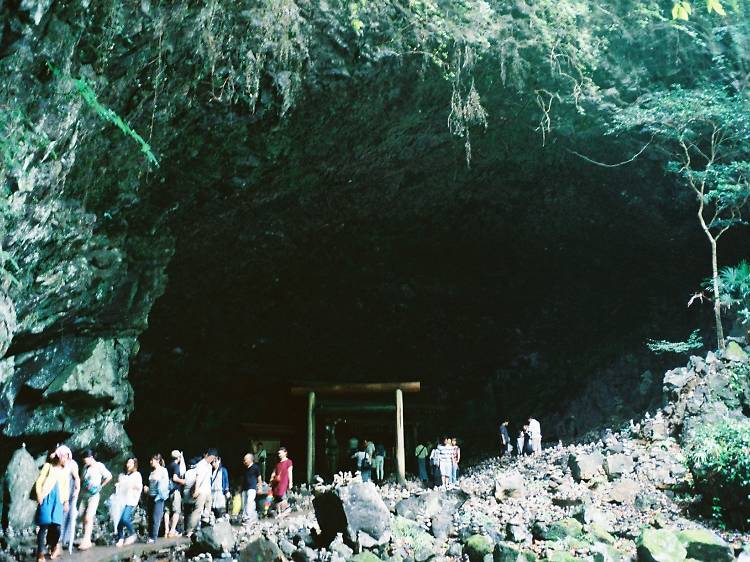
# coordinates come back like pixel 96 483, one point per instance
pixel 704 135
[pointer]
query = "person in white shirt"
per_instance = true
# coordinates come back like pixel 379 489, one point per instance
pixel 535 432
pixel 95 477
pixel 201 489
pixel 130 485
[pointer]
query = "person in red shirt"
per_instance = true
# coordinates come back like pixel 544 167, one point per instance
pixel 282 479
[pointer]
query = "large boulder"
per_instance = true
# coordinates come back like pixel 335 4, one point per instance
pixel 617 465
pixel 430 504
pixel 585 467
pixel 660 545
pixel 410 533
pixel 20 476
pixel 505 552
pixel 357 511
pixel 624 491
pixel 216 539
pixel 705 546
pixel 509 485
pixel 262 550
pixel 477 547
pixel 734 352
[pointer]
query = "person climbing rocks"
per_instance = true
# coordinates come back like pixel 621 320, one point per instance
pixel 220 491
pixel 52 490
pixel 282 479
pixel 68 531
pixel 201 493
pixel 505 445
pixel 445 454
pixel 95 477
pixel 378 461
pixel 130 485
pixel 421 453
pixel 158 492
pixel 173 506
pixel 251 479
pixel 535 434
pixel 456 460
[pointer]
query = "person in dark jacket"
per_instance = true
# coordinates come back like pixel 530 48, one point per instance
pixel 504 438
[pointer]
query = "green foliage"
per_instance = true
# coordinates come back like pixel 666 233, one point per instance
pixel 717 457
pixel 735 289
pixel 682 10
pixel 662 346
pixel 89 96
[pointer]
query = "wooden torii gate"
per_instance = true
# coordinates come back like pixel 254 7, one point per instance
pixel 312 391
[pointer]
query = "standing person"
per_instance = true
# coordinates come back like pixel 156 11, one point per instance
pixel 201 489
pixel 220 491
pixel 262 457
pixel 282 479
pixel 445 454
pixel 95 477
pixel 332 449
pixel 363 463
pixel 535 433
pixel 250 481
pixel 173 505
pixel 421 453
pixel 130 485
pixel 52 489
pixel 378 462
pixel 456 459
pixel 68 530
pixel 158 492
pixel 369 448
pixel 504 438
pixel 435 466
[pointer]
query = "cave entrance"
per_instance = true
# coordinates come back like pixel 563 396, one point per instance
pixel 355 401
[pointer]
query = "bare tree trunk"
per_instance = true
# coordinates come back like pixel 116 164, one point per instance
pixel 717 302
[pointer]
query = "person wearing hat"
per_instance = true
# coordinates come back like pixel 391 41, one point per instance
pixel 95 477
pixel 173 507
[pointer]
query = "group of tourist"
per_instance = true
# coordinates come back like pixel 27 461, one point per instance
pixel 194 492
pixel 528 441
pixel 367 457
pixel 443 457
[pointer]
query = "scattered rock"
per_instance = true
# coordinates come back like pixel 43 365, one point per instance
pixel 705 546
pixel 216 538
pixel 509 485
pixel 477 547
pixel 617 465
pixel 660 545
pixel 624 491
pixel 585 467
pixel 262 550
pixel 734 352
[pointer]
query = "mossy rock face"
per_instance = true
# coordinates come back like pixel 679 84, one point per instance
pixel 705 546
pixel 564 529
pixel 600 534
pixel 365 556
pixel 660 545
pixel 506 552
pixel 561 556
pixel 477 547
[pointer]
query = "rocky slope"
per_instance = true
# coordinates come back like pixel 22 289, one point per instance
pixel 629 496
